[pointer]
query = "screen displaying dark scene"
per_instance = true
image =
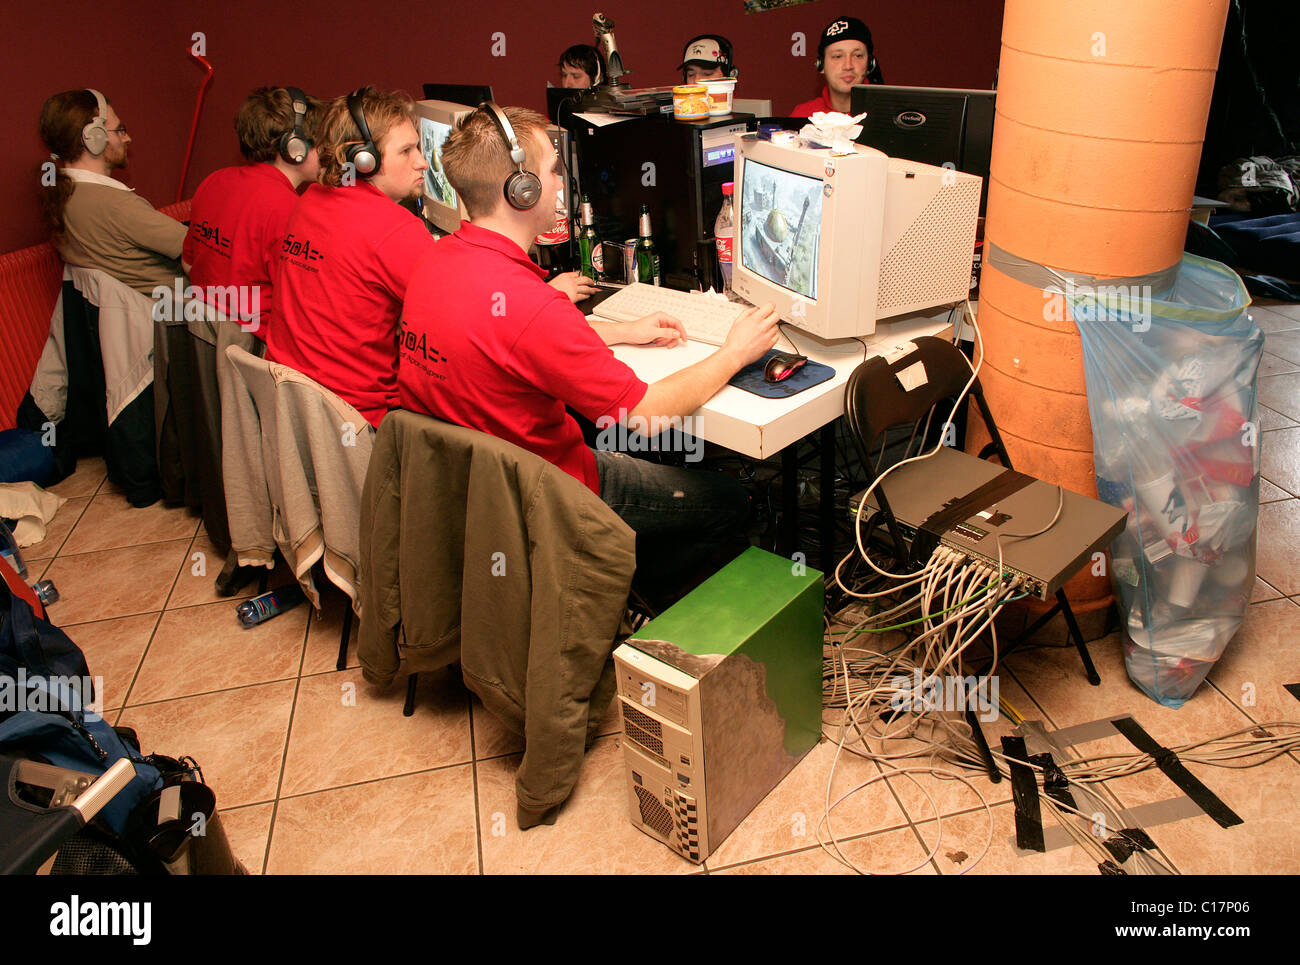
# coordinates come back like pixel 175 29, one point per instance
pixel 781 221
pixel 436 186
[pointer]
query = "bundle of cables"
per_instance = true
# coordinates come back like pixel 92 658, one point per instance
pixel 894 690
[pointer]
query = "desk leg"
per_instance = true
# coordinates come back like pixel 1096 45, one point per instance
pixel 828 498
pixel 787 538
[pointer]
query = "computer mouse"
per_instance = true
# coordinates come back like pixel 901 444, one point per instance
pixel 782 365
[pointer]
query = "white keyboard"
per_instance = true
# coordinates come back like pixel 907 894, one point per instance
pixel 707 319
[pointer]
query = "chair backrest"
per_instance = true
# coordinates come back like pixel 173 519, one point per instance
pixel 878 397
pixel 315 449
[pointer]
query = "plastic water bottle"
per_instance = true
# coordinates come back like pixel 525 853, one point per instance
pixel 262 608
pixel 724 234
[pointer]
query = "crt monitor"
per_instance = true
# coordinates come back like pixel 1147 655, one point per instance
pixel 837 243
pixel 459 93
pixel 434 122
pixel 937 125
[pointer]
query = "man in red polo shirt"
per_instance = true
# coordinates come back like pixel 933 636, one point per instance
pixel 348 252
pixel 240 214
pixel 845 56
pixel 489 345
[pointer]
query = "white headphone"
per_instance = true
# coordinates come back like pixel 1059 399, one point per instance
pixel 95 134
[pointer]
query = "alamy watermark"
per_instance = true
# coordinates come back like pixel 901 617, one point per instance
pixel 44 694
pixel 919 694
pixel 190 303
pixel 1125 303
pixel 634 433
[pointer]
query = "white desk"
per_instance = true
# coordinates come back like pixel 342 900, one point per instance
pixel 759 427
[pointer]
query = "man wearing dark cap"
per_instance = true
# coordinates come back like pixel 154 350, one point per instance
pixel 845 56
pixel 707 57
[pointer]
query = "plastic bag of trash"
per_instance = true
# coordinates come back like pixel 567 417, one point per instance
pixel 1172 384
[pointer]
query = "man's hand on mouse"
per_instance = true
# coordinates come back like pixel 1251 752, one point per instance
pixel 657 328
pixel 574 285
pixel 752 334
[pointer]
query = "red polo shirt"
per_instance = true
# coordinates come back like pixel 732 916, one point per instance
pixel 809 108
pixel 345 261
pixel 487 344
pixel 237 221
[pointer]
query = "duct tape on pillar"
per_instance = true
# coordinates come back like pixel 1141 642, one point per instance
pixel 1073 283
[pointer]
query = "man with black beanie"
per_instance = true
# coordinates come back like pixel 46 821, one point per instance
pixel 845 56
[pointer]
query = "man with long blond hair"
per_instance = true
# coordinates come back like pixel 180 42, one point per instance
pixel 96 220
pixel 349 250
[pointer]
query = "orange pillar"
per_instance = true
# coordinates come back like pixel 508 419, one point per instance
pixel 1101 113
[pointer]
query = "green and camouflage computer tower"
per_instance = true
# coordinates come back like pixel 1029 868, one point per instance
pixel 720 697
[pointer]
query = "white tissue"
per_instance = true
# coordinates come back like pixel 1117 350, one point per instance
pixel 834 130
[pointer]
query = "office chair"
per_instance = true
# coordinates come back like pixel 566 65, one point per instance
pixel 876 402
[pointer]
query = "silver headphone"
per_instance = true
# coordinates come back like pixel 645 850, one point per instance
pixel 523 188
pixel 95 134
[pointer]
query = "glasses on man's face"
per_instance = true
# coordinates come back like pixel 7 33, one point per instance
pixel 119 130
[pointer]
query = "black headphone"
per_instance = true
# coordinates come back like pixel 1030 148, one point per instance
pixel 365 156
pixel 95 134
pixel 523 188
pixel 294 144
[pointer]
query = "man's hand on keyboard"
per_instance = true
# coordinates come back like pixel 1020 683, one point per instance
pixel 576 286
pixel 752 334
pixel 657 328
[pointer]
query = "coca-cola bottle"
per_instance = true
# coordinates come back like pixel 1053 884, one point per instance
pixel 553 246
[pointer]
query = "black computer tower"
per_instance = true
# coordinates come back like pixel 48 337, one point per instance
pixel 677 168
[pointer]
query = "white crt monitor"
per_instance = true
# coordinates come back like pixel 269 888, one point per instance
pixel 838 243
pixel 434 122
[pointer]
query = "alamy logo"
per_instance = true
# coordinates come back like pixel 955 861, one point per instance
pixel 921 694
pixel 45 694
pixel 634 433
pixel 73 918
pixel 190 303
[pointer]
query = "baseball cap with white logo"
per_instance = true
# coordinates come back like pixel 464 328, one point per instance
pixel 708 50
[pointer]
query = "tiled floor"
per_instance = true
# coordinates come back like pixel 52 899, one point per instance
pixel 316 771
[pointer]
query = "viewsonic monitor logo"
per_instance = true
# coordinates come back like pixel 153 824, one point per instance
pixel 909 119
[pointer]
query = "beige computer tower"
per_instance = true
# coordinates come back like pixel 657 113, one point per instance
pixel 720 697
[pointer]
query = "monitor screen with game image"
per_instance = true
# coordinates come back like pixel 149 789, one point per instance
pixel 782 222
pixel 839 242
pixel 434 121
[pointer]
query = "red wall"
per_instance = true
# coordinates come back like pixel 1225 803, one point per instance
pixel 138 56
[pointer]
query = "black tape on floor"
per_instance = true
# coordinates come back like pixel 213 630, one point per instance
pixel 1024 792
pixel 1127 840
pixel 1168 762
pixel 1293 690
pixel 1054 781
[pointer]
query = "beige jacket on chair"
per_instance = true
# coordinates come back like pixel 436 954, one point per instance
pixel 474 549
pixel 294 458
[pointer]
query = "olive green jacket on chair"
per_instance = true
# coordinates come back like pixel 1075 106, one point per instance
pixel 473 549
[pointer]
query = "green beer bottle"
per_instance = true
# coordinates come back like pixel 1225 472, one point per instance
pixel 647 259
pixel 589 247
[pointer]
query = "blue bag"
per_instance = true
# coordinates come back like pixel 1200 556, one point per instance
pixel 44 688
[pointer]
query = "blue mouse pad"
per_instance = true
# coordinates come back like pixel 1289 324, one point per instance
pixel 750 378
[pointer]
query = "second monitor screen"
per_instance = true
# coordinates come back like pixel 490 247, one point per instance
pixel 781 221
pixel 436 186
